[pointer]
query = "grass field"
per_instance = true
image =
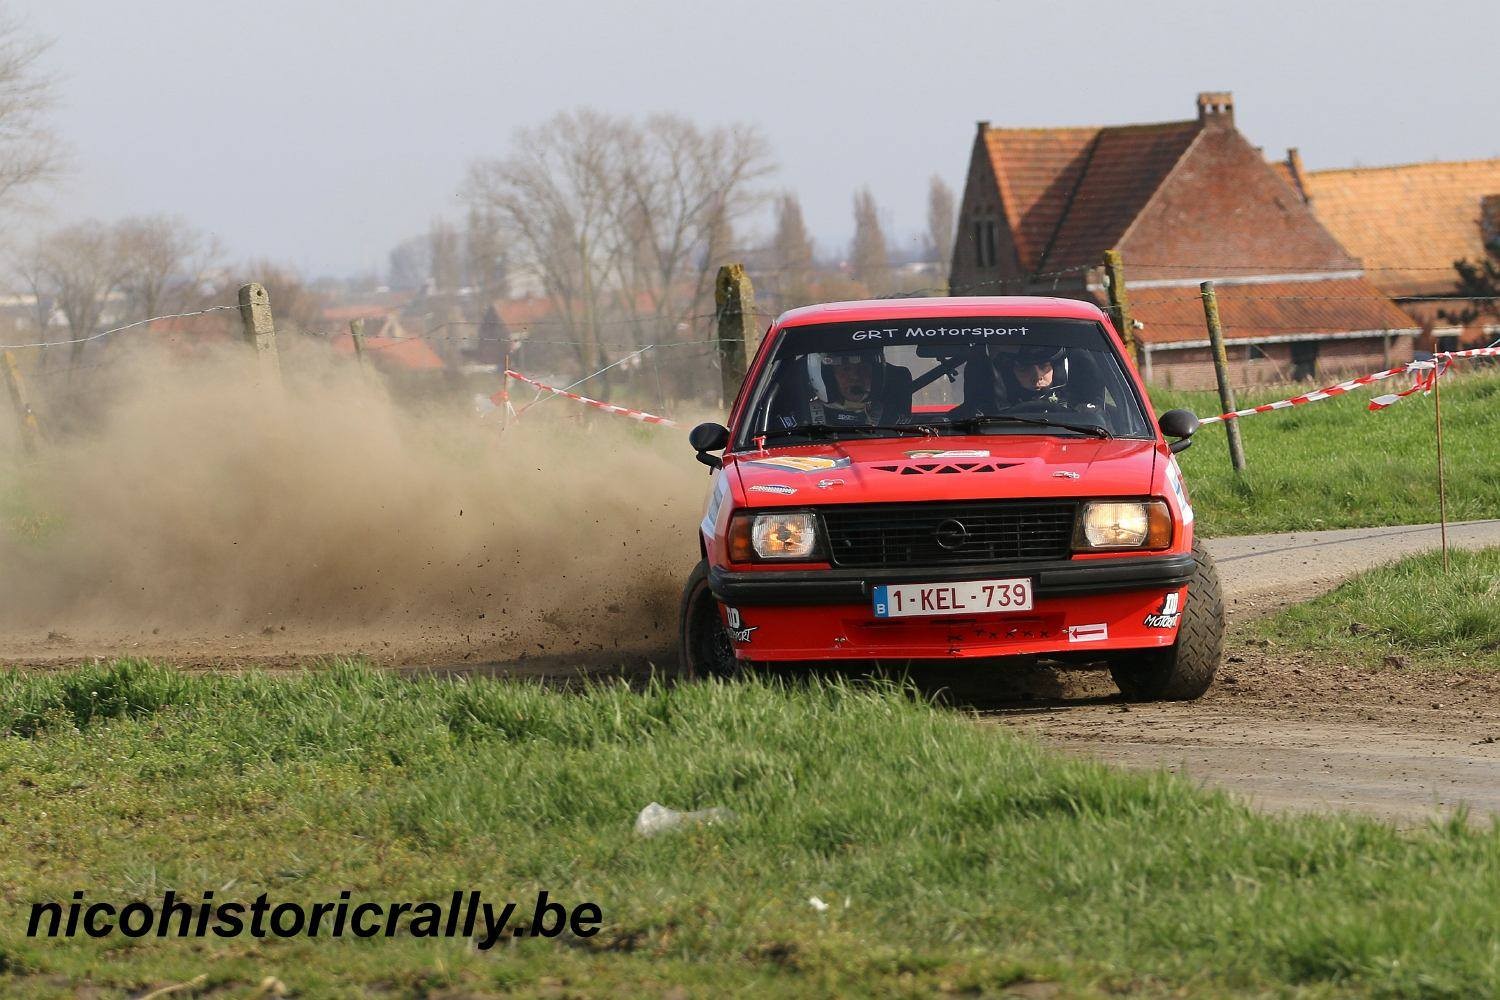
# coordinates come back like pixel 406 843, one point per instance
pixel 1411 609
pixel 1335 464
pixel 953 857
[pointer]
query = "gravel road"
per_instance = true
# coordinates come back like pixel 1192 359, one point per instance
pixel 1296 734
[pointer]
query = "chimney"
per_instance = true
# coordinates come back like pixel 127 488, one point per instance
pixel 1216 106
pixel 1294 167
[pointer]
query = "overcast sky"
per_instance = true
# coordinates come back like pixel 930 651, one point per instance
pixel 321 133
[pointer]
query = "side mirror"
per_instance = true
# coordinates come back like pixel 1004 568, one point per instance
pixel 706 438
pixel 1180 424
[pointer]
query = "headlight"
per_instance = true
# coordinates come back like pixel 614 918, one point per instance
pixel 1123 524
pixel 781 535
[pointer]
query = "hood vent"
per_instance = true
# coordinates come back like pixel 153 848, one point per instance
pixel 943 468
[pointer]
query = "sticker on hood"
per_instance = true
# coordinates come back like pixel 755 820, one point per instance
pixel 948 454
pixel 801 463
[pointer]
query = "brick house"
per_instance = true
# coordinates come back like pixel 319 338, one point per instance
pixel 1409 224
pixel 1182 201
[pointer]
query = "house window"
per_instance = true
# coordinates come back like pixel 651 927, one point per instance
pixel 1254 352
pixel 986 243
pixel 1446 342
pixel 1304 359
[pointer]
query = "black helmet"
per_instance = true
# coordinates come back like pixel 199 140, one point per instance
pixel 1005 357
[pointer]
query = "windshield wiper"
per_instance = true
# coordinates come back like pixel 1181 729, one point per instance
pixel 830 430
pixel 986 419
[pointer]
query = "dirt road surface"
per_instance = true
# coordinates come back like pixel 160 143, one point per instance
pixel 1287 732
pixel 1295 734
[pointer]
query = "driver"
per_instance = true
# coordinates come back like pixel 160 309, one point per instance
pixel 1031 373
pixel 1036 377
pixel 851 387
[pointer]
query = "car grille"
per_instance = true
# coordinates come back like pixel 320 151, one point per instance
pixel 948 534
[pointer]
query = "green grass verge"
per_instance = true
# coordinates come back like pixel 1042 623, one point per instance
pixel 1334 464
pixel 970 858
pixel 1411 608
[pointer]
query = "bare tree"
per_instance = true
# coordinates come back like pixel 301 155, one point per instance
pixel 447 262
pixel 162 262
pixel 791 251
pixel 410 264
pixel 484 257
pixel 620 219
pixel 29 152
pixel 556 195
pixel 940 215
pixel 76 268
pixel 683 188
pixel 868 259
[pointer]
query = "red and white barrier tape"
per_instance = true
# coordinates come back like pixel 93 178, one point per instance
pixel 1426 371
pixel 500 398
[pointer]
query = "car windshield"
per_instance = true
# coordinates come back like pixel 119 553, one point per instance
pixel 953 375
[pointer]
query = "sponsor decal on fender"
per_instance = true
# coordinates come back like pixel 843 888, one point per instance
pixel 1169 614
pixel 738 630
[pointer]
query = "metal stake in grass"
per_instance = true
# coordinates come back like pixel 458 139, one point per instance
pixel 1437 409
pixel 1221 374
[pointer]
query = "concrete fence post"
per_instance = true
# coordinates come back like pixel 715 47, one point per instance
pixel 1119 302
pixel 259 327
pixel 357 334
pixel 30 432
pixel 734 299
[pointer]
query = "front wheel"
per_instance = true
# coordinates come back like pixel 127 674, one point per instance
pixel 704 649
pixel 1185 670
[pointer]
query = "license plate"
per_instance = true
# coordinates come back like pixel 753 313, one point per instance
pixel 968 598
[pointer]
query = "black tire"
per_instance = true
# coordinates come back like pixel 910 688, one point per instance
pixel 703 645
pixel 1186 669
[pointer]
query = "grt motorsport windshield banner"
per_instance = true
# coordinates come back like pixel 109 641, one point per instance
pixel 947 332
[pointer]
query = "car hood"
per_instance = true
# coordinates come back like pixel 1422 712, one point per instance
pixel 894 470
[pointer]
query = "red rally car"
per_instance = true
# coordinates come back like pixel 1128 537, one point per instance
pixel 959 478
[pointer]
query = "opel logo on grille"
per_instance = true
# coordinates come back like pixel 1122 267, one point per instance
pixel 951 534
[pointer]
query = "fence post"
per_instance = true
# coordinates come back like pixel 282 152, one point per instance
pixel 13 381
pixel 357 334
pixel 735 301
pixel 1221 373
pixel 259 328
pixel 1119 302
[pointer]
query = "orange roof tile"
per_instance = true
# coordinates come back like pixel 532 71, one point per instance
pixel 1267 309
pixel 1037 170
pixel 410 353
pixel 1125 167
pixel 1409 223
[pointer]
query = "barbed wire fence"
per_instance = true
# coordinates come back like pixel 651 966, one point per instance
pixel 666 363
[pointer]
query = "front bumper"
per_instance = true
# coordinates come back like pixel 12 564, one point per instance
pixel 1080 609
pixel 1062 578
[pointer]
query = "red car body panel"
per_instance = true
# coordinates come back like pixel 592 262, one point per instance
pixel 1068 617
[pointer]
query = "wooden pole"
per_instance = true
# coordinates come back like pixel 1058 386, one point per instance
pixel 1437 407
pixel 735 301
pixel 259 327
pixel 1221 374
pixel 1119 302
pixel 30 432
pixel 357 334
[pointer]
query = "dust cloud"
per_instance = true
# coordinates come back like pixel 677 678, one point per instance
pixel 212 499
